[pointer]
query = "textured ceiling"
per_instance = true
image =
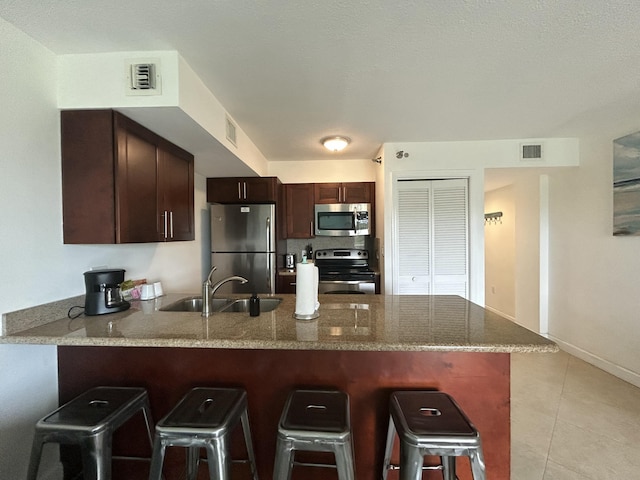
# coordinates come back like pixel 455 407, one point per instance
pixel 377 71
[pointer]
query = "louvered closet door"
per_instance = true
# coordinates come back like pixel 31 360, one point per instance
pixel 450 237
pixel 432 237
pixel 413 234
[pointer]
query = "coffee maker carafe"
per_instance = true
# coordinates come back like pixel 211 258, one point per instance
pixel 103 293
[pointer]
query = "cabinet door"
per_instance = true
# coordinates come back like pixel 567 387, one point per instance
pixel 175 195
pixel 259 190
pixel 328 193
pixel 88 177
pixel 224 190
pixel 357 192
pixel 299 198
pixel 286 284
pixel 136 187
pixel 350 192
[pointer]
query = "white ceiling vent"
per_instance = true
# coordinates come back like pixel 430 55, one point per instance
pixel 530 151
pixel 143 77
pixel 231 131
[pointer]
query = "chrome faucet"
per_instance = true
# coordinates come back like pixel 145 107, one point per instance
pixel 208 290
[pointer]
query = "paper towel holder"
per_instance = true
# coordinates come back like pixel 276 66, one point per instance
pixel 310 316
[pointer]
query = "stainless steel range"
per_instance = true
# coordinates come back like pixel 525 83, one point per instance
pixel 345 271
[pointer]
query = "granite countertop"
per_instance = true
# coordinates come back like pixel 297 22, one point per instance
pixel 346 322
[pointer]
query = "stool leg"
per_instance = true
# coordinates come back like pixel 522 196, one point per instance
pixel 148 420
pixel 284 460
pixel 391 435
pixel 477 464
pixel 36 453
pixel 344 461
pixel 193 462
pixel 96 456
pixel 247 440
pixel 218 460
pixel 411 462
pixel 157 459
pixel 448 468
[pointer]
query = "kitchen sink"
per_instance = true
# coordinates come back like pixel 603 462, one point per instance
pixel 242 305
pixel 194 304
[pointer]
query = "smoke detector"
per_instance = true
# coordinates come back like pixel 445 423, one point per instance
pixel 143 77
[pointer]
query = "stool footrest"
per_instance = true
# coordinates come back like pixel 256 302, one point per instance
pixel 309 464
pixel 135 459
pixel 424 467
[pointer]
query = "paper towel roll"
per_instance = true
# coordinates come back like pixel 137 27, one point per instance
pixel 306 289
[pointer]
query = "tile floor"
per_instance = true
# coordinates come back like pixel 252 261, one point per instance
pixel 571 421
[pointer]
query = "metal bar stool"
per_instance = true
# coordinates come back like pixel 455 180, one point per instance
pixel 315 420
pixel 431 423
pixel 89 421
pixel 204 418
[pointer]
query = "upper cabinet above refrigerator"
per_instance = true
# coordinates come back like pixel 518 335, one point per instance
pixel 242 190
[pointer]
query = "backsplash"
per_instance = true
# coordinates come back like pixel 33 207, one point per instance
pixel 318 243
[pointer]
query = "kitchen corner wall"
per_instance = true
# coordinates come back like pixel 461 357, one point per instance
pixel 36 267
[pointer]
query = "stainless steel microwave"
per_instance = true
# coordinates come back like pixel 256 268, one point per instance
pixel 342 219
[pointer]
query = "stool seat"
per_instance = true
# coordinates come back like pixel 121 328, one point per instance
pixel 315 420
pixel 431 423
pixel 204 418
pixel 89 421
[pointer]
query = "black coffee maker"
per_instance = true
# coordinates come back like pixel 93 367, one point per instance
pixel 103 293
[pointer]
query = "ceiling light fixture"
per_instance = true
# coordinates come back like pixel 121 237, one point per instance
pixel 335 143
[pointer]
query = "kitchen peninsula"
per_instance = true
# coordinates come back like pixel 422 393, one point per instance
pixel 366 345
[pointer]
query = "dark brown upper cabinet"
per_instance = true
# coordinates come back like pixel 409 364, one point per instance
pixel 242 190
pixel 122 183
pixel 349 192
pixel 299 210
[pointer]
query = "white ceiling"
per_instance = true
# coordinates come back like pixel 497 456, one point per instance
pixel 377 71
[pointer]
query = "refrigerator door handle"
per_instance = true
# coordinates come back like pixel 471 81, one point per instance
pixel 269 253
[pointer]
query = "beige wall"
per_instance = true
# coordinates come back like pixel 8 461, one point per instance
pixel 317 171
pixel 500 252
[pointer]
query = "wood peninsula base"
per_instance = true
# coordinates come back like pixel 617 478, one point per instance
pixel 478 381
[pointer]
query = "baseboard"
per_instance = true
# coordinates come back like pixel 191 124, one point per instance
pixel 609 367
pixel 502 314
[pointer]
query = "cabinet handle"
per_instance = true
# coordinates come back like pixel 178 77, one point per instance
pixel 239 191
pixel 164 215
pixel 311 228
pixel 171 222
pixel 244 190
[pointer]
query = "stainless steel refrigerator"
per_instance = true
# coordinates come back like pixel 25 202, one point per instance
pixel 243 242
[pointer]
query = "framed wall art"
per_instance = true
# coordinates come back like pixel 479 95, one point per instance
pixel 626 185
